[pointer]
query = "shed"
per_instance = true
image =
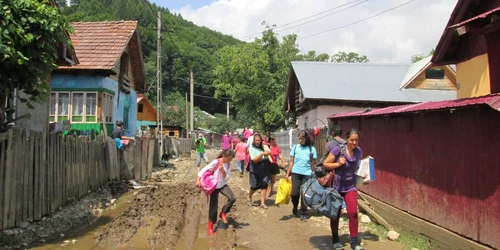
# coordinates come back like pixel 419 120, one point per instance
pixel 437 160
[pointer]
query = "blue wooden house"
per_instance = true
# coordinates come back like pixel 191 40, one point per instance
pixel 102 88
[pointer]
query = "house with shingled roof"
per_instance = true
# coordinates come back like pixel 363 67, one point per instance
pixel 316 90
pixel 102 88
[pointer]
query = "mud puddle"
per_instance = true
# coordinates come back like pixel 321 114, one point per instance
pixel 83 237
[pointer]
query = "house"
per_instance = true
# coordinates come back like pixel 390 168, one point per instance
pixel 39 113
pixel 471 40
pixel 317 90
pixel 103 87
pixel 146 114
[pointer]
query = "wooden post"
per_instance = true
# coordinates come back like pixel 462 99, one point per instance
pixel 3 153
pixel 7 180
pixel 137 160
pixel 31 162
pixel 36 178
pixel 144 159
pixel 43 173
pixel 151 154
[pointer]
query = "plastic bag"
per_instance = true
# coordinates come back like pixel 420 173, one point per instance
pixel 284 191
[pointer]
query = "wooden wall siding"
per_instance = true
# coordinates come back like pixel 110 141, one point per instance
pixel 40 173
pixel 147 113
pixel 448 83
pixel 441 166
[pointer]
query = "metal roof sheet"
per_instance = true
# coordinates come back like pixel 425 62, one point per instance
pixel 480 16
pixel 361 82
pixel 492 100
pixel 414 70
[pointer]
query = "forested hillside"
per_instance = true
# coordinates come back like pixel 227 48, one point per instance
pixel 185 46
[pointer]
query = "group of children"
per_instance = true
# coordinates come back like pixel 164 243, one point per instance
pixel 262 158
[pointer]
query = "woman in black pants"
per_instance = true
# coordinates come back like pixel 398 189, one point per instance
pixel 302 157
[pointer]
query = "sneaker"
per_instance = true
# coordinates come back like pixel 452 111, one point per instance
pixel 338 246
pixel 303 217
pixel 356 247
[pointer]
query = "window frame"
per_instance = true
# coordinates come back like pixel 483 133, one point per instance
pixel 104 106
pixel 84 116
pixel 56 100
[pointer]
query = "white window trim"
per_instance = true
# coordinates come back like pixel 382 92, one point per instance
pixel 111 102
pixel 56 115
pixel 84 120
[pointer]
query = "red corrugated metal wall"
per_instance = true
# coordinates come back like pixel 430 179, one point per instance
pixel 441 166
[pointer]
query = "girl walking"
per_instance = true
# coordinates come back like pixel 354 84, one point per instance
pixel 223 165
pixel 241 152
pixel 302 157
pixel 259 170
pixel 345 161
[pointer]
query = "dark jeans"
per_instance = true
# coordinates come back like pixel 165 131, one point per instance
pixel 297 181
pixel 214 202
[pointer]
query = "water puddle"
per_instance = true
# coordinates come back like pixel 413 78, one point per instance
pixel 84 236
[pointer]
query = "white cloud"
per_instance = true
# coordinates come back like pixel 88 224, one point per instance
pixel 391 37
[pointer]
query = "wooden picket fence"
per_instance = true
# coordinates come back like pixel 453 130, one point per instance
pixel 40 173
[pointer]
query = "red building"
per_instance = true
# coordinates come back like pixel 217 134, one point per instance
pixel 439 161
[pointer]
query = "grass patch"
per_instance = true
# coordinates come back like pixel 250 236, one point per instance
pixel 409 239
pixel 412 240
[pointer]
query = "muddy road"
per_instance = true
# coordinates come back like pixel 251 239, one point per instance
pixel 170 213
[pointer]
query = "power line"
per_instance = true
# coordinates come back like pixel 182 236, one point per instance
pixel 211 97
pixel 281 27
pixel 164 24
pixel 195 83
pixel 356 22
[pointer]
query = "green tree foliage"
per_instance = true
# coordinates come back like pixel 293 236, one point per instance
pixel 220 123
pixel 30 31
pixel 418 57
pixel 174 109
pixel 350 57
pixel 185 46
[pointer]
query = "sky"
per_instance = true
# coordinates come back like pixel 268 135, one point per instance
pixel 394 36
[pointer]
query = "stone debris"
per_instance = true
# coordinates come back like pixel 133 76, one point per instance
pixel 365 219
pixel 393 235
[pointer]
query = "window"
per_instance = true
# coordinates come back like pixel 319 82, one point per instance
pixel 125 117
pixel 75 106
pixel 107 107
pixel 59 106
pixel 437 74
pixel 83 107
pixel 139 108
pixel 171 133
pixel 91 107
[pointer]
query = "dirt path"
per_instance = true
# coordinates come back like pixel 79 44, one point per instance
pixel 170 213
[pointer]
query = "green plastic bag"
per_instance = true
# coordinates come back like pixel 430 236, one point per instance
pixel 284 191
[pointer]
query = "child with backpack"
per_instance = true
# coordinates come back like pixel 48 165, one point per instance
pixel 345 161
pixel 212 179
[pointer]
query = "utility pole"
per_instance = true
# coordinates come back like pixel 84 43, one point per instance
pixel 187 119
pixel 159 90
pixel 227 110
pixel 191 87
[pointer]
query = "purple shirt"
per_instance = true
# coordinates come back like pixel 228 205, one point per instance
pixel 226 142
pixel 345 179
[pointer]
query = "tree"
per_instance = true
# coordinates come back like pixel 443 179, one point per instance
pixel 174 109
pixel 418 57
pixel 311 56
pixel 31 31
pixel 351 57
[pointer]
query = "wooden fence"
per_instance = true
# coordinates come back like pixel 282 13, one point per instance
pixel 40 173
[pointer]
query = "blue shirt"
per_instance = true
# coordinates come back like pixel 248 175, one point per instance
pixel 302 161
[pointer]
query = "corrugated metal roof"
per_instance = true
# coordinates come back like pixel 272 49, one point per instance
pixel 492 100
pixel 361 82
pixel 480 16
pixel 414 70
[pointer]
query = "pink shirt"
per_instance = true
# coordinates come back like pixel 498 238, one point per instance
pixel 247 134
pixel 226 142
pixel 241 150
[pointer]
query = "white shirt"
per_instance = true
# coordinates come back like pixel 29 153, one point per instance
pixel 213 167
pixel 249 141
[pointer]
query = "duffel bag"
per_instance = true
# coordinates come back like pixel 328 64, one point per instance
pixel 325 201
